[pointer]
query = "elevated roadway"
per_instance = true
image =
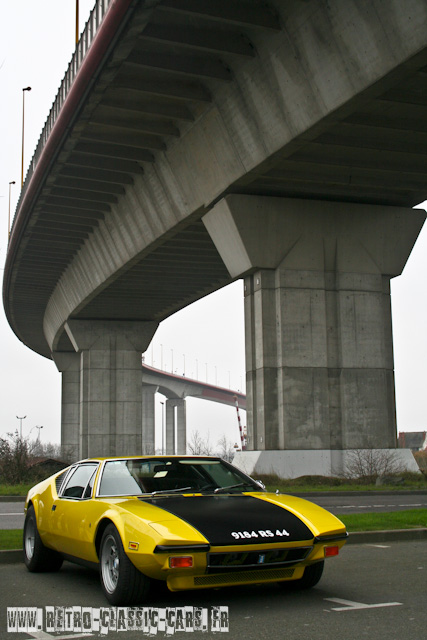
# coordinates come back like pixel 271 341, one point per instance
pixel 176 389
pixel 193 142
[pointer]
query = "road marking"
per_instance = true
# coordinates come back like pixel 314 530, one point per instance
pixel 379 546
pixel 12 514
pixel 353 606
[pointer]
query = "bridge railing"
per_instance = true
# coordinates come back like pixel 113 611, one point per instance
pixel 91 27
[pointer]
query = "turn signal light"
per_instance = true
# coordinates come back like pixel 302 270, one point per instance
pixel 331 551
pixel 180 562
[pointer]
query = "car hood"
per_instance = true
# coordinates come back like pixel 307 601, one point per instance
pixel 233 519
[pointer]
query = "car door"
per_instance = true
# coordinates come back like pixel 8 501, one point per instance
pixel 72 513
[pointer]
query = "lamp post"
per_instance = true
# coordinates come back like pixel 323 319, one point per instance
pixel 23 123
pixel 8 218
pixel 20 425
pixel 77 21
pixel 38 427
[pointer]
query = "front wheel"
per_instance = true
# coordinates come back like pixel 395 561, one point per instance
pixel 37 557
pixel 310 578
pixel 121 582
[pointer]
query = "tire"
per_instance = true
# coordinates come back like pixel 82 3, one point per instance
pixel 310 578
pixel 121 582
pixel 37 557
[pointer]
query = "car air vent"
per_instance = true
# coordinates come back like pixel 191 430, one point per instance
pixel 59 480
pixel 255 560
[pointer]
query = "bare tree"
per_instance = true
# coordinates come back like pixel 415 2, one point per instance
pixel 14 459
pixel 226 448
pixel 369 464
pixel 199 447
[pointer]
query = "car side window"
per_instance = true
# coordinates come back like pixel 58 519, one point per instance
pixel 78 484
pixel 89 486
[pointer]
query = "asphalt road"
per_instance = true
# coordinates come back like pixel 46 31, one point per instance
pixel 12 513
pixel 368 591
pixel 375 503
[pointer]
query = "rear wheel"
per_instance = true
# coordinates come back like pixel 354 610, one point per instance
pixel 310 578
pixel 121 582
pixel 37 557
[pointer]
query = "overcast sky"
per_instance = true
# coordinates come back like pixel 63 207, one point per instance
pixel 36 45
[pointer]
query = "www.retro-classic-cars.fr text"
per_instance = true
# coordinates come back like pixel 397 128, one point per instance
pixel 147 620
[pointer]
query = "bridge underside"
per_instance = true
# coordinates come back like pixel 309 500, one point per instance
pixel 181 104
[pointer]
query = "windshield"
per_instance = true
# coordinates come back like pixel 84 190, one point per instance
pixel 164 475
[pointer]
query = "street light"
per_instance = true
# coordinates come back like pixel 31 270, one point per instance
pixel 23 123
pixel 8 219
pixel 77 21
pixel 20 425
pixel 38 435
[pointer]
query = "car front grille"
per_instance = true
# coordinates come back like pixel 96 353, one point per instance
pixel 255 560
pixel 237 577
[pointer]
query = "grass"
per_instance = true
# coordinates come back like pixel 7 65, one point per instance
pixel 411 519
pixel 15 489
pixel 10 539
pixel 407 480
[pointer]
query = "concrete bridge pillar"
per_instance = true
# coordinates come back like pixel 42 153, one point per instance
pixel 148 419
pixel 176 422
pixel 170 426
pixel 319 353
pixel 69 366
pixel 110 420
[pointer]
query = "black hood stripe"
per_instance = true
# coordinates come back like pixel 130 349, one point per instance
pixel 228 520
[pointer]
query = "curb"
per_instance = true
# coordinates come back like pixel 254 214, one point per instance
pixel 12 498
pixel 11 556
pixel 14 556
pixel 391 535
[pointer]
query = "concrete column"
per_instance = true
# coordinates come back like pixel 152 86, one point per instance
pixel 318 321
pixel 176 423
pixel 148 419
pixel 181 427
pixel 69 366
pixel 170 426
pixel 110 383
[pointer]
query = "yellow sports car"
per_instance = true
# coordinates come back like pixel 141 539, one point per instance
pixel 194 522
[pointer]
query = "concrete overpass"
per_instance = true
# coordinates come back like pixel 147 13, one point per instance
pixel 193 142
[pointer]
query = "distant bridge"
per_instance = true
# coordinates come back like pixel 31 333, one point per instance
pixel 176 388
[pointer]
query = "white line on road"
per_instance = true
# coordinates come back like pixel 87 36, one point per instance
pixel 379 546
pixel 353 606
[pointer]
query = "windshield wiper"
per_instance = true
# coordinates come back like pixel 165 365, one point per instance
pixel 234 486
pixel 154 493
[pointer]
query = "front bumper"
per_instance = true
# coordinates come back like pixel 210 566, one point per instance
pixel 226 566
